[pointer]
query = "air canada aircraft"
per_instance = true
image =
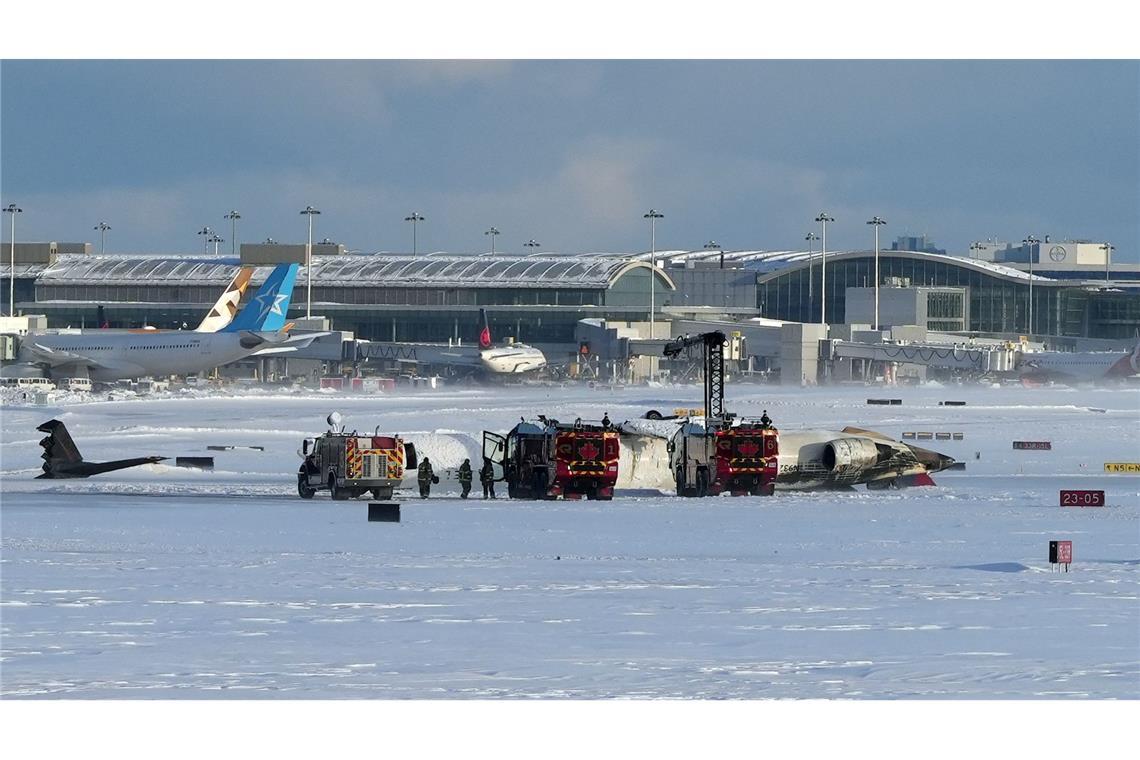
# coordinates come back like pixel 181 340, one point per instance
pixel 258 329
pixel 1089 366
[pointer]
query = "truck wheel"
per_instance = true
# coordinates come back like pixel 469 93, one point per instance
pixel 338 494
pixel 303 488
pixel 679 478
pixel 381 494
pixel 702 482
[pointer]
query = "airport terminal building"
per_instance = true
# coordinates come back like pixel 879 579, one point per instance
pixel 540 298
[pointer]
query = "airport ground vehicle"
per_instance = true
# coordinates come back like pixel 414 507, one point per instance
pixel 351 464
pixel 545 459
pixel 737 456
pixel 720 452
pixel 28 383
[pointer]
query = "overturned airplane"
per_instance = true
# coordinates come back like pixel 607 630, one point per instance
pixel 63 460
pixel 806 459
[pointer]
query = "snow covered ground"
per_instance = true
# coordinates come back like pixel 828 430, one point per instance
pixel 160 582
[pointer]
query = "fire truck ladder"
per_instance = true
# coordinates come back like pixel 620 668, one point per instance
pixel 714 367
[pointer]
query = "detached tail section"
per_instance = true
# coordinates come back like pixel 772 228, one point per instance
pixel 59 449
pixel 266 311
pixel 62 458
pixel 226 308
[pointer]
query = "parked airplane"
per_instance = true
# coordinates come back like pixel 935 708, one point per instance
pixel 63 460
pixel 107 356
pixel 1091 366
pixel 506 359
pixel 509 358
pixel 226 307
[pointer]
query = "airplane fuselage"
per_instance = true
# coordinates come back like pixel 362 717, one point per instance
pixel 512 359
pixel 116 356
pixel 1090 366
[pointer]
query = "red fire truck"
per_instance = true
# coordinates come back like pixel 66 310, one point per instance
pixel 545 459
pixel 720 452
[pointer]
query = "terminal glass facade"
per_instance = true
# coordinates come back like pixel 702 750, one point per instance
pixel 997 303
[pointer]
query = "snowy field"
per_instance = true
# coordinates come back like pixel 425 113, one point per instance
pixel 161 582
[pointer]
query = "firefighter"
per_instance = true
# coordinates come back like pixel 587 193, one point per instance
pixel 765 420
pixel 425 476
pixel 606 421
pixel 465 478
pixel 487 478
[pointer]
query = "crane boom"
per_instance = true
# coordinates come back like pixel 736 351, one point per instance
pixel 714 367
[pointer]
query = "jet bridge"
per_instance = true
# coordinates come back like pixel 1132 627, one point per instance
pixel 980 358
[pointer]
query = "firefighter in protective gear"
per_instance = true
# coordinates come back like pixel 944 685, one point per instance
pixel 465 478
pixel 487 478
pixel 425 475
pixel 765 420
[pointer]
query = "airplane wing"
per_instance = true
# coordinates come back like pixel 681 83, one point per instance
pixel 54 357
pixel 286 344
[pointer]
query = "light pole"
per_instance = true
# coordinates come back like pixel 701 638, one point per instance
pixel 824 218
pixel 1029 242
pixel 12 209
pixel 652 215
pixel 233 216
pixel 309 212
pixel 712 245
pixel 976 249
pixel 102 227
pixel 205 232
pixel 811 237
pixel 1108 248
pixel 215 240
pixel 877 222
pixel 493 233
pixel 415 218
pixel 532 244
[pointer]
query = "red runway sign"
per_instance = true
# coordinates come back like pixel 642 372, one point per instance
pixel 1060 552
pixel 1082 498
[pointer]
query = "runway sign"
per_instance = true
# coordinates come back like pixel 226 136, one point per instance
pixel 1033 445
pixel 1061 553
pixel 1082 498
pixel 1131 467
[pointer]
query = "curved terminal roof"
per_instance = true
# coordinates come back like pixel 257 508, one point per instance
pixel 773 263
pixel 439 270
pixel 536 271
pixel 362 270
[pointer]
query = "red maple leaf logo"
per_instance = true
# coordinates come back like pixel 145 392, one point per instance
pixel 588 451
pixel 748 448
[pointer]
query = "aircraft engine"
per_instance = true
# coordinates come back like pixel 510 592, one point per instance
pixel 845 454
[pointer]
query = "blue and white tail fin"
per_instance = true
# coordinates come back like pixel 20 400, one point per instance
pixel 267 310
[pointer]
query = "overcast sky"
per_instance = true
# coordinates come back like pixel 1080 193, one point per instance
pixel 570 153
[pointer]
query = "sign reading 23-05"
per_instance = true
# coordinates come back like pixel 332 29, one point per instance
pixel 1081 498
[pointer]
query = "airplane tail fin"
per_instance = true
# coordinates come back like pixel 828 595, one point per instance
pixel 485 333
pixel 267 309
pixel 58 447
pixel 226 307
